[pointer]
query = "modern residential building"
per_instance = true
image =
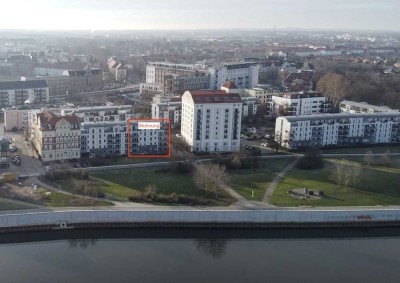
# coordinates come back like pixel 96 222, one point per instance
pixel 167 107
pixel 348 106
pixel 157 72
pixel 211 120
pixel 18 93
pixel 58 85
pixel 338 129
pixel 244 75
pixel 149 138
pixel 178 84
pixel 57 137
pixel 104 138
pixel 149 87
pixel 250 105
pixel 299 104
pixel 112 113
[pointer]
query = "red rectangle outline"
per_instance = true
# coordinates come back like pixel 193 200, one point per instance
pixel 149 156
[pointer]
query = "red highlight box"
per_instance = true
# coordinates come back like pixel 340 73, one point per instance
pixel 134 120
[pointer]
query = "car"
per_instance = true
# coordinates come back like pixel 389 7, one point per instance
pixel 178 135
pixel 243 136
pixel 13 149
pixel 264 144
pixel 84 164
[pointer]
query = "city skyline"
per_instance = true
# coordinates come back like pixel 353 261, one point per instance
pixel 159 15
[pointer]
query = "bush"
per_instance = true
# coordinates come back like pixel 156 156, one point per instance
pixel 184 168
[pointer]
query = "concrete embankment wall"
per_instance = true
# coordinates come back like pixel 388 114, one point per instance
pixel 197 218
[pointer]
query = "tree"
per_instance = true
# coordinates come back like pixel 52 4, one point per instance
pixel 355 177
pixel 338 174
pixel 211 178
pixel 385 159
pixel 312 159
pixel 333 86
pixel 236 162
pixel 368 158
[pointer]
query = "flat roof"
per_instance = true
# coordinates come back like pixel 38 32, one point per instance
pixel 23 84
pixel 339 116
pixel 367 105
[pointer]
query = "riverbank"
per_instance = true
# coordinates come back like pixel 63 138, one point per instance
pixel 196 218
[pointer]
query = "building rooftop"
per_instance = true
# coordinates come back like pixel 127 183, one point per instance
pixel 104 124
pixel 339 116
pixel 23 84
pixel 214 96
pixel 367 106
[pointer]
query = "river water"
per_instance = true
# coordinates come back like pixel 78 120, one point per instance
pixel 202 256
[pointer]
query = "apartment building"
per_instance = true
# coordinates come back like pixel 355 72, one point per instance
pixel 338 129
pixel 244 75
pixel 149 138
pixel 211 120
pixel 299 104
pixel 348 106
pixel 16 93
pixel 84 80
pixel 57 137
pixel 112 113
pixel 58 85
pixel 178 84
pixel 157 72
pixel 14 118
pixel 167 107
pixel 104 138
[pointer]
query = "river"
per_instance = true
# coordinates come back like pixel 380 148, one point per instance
pixel 367 255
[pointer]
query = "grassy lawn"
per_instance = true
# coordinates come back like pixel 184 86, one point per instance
pixel 56 199
pixel 378 186
pixel 247 180
pixel 9 205
pixel 128 182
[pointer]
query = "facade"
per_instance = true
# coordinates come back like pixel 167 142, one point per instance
pixel 21 92
pixel 113 113
pixel 4 152
pixel 84 80
pixel 104 138
pixel 16 119
pixel 57 137
pixel 299 104
pixel 117 69
pixel 178 84
pixel 166 107
pixel 338 130
pixel 244 75
pixel 347 106
pixel 153 142
pixel 156 72
pixel 250 105
pixel 58 86
pixel 211 120
pixel 147 87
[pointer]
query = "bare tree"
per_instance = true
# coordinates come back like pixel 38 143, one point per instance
pixel 211 178
pixel 368 158
pixel 332 85
pixel 385 159
pixel 236 162
pixel 347 177
pixel 355 177
pixel 338 173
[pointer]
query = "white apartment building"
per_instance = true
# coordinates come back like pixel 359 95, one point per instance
pixel 57 137
pixel 156 71
pixel 244 75
pixel 299 104
pixel 338 129
pixel 101 113
pixel 167 107
pixel 104 138
pixel 17 93
pixel 250 105
pixel 211 120
pixel 348 106
pixel 154 142
pixel 150 87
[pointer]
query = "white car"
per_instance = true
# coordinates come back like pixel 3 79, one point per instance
pixel 178 135
pixel 264 144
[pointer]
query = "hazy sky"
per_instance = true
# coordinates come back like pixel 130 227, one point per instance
pixel 193 14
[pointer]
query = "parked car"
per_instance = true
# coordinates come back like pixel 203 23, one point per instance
pixel 264 144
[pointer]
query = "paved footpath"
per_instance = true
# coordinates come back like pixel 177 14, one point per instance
pixel 271 189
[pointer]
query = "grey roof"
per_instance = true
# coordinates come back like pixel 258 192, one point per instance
pixel 340 116
pixel 98 108
pixel 104 124
pixel 367 106
pixel 23 85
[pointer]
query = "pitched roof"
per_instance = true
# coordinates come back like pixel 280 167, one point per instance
pixel 214 96
pixel 230 85
pixel 23 84
pixel 48 119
